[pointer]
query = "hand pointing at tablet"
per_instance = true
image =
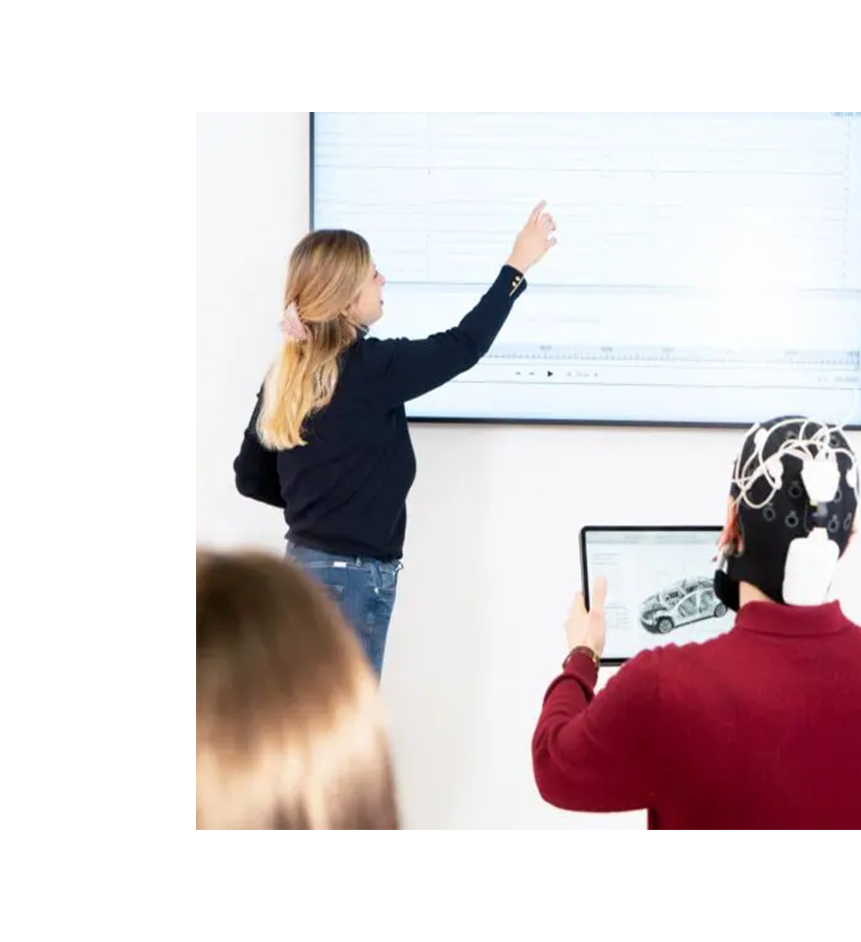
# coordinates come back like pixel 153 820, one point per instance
pixel 586 628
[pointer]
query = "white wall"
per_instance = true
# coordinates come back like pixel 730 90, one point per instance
pixel 491 556
pixel 252 206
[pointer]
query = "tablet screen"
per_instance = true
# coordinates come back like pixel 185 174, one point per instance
pixel 659 586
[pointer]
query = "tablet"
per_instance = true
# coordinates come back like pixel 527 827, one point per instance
pixel 659 586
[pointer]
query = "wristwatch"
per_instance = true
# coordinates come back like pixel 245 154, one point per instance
pixel 582 649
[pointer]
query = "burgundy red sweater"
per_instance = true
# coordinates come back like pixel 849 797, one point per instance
pixel 759 728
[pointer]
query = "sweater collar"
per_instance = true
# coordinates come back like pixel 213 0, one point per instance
pixel 792 620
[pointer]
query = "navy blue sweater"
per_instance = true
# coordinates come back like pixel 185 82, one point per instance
pixel 345 491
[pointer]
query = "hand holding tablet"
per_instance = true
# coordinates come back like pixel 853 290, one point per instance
pixel 586 627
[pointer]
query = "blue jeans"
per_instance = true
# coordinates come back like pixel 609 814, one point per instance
pixel 363 588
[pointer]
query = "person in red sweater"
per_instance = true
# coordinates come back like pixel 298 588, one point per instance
pixel 760 727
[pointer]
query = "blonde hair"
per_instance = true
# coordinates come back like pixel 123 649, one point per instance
pixel 290 729
pixel 325 276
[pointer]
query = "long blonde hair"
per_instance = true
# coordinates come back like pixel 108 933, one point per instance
pixel 291 733
pixel 325 276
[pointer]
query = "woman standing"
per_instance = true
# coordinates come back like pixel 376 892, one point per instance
pixel 328 440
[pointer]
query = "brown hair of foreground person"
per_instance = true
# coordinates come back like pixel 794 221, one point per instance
pixel 290 727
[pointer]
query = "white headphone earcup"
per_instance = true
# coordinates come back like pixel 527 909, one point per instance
pixel 811 564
